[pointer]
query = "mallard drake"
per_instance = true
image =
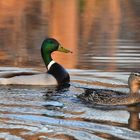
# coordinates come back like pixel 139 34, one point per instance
pixel 55 75
pixel 110 97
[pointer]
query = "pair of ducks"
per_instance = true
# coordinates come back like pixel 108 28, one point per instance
pixel 57 75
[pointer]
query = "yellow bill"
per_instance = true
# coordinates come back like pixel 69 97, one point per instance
pixel 62 49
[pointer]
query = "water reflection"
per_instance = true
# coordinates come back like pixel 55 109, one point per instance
pixel 134 121
pixel 103 34
pixel 94 30
pixel 34 116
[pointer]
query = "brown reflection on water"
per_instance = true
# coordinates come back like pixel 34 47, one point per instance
pixel 134 121
pixel 64 27
pixel 90 28
pixel 24 24
pixel 101 25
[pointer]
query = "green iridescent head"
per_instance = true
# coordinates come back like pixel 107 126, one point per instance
pixel 50 45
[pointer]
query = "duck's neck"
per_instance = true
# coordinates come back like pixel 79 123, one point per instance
pixel 133 85
pixel 134 89
pixel 47 58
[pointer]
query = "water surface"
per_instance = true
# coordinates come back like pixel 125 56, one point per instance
pixel 104 36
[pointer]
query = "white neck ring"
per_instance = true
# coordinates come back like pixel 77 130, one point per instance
pixel 50 64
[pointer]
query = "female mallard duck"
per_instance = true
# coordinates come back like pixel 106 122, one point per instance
pixel 110 97
pixel 56 74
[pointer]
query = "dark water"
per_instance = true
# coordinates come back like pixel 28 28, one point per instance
pixel 104 36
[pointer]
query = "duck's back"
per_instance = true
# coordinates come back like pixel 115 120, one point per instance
pixel 36 79
pixel 108 97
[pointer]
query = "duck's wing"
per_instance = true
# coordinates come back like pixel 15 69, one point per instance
pixel 15 73
pixel 29 79
pixel 7 72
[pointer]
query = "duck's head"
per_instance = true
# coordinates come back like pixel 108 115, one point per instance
pixel 50 45
pixel 134 82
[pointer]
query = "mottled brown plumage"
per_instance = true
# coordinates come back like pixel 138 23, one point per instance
pixel 110 97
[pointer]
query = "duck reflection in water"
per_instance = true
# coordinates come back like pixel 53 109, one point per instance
pixel 52 96
pixel 56 91
pixel 134 120
pixel 110 97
